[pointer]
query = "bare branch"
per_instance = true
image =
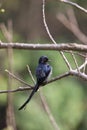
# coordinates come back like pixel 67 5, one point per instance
pixel 78 74
pixel 59 77
pixel 31 74
pixel 66 61
pixel 57 47
pixel 52 119
pixel 45 24
pixel 75 5
pixel 77 53
pixel 16 90
pixel 31 87
pixel 75 27
pixel 85 64
pixel 72 27
pixel 75 61
pixel 15 77
pixel 50 36
pixel 72 73
pixel 6 33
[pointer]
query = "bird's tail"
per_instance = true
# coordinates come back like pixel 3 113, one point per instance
pixel 32 93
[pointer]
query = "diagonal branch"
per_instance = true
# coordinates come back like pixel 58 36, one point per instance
pixel 31 75
pixel 48 111
pixel 72 27
pixel 75 5
pixel 75 61
pixel 29 87
pixel 15 77
pixel 51 37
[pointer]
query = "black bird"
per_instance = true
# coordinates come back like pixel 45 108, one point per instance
pixel 43 71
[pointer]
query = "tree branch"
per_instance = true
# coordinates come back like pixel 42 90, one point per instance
pixel 56 47
pixel 16 90
pixel 75 5
pixel 29 87
pixel 70 23
pixel 48 111
pixel 20 80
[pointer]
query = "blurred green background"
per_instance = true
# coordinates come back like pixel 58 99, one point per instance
pixel 67 98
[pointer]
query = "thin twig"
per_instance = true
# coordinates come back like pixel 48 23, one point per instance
pixel 48 111
pixel 31 87
pixel 16 90
pixel 66 74
pixel 75 61
pixel 31 74
pixel 72 72
pixel 45 24
pixel 75 5
pixel 75 27
pixel 51 37
pixel 15 77
pixel 71 15
pixel 77 53
pixel 72 25
pixel 66 61
pixel 7 34
pixel 85 64
pixel 82 66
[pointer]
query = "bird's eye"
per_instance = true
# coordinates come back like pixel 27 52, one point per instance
pixel 46 59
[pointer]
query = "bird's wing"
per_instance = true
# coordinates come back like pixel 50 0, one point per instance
pixel 40 73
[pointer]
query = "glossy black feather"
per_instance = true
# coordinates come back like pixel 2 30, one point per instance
pixel 43 71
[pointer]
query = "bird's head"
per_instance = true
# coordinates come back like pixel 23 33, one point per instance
pixel 43 59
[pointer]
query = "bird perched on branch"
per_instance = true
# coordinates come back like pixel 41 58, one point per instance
pixel 43 72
